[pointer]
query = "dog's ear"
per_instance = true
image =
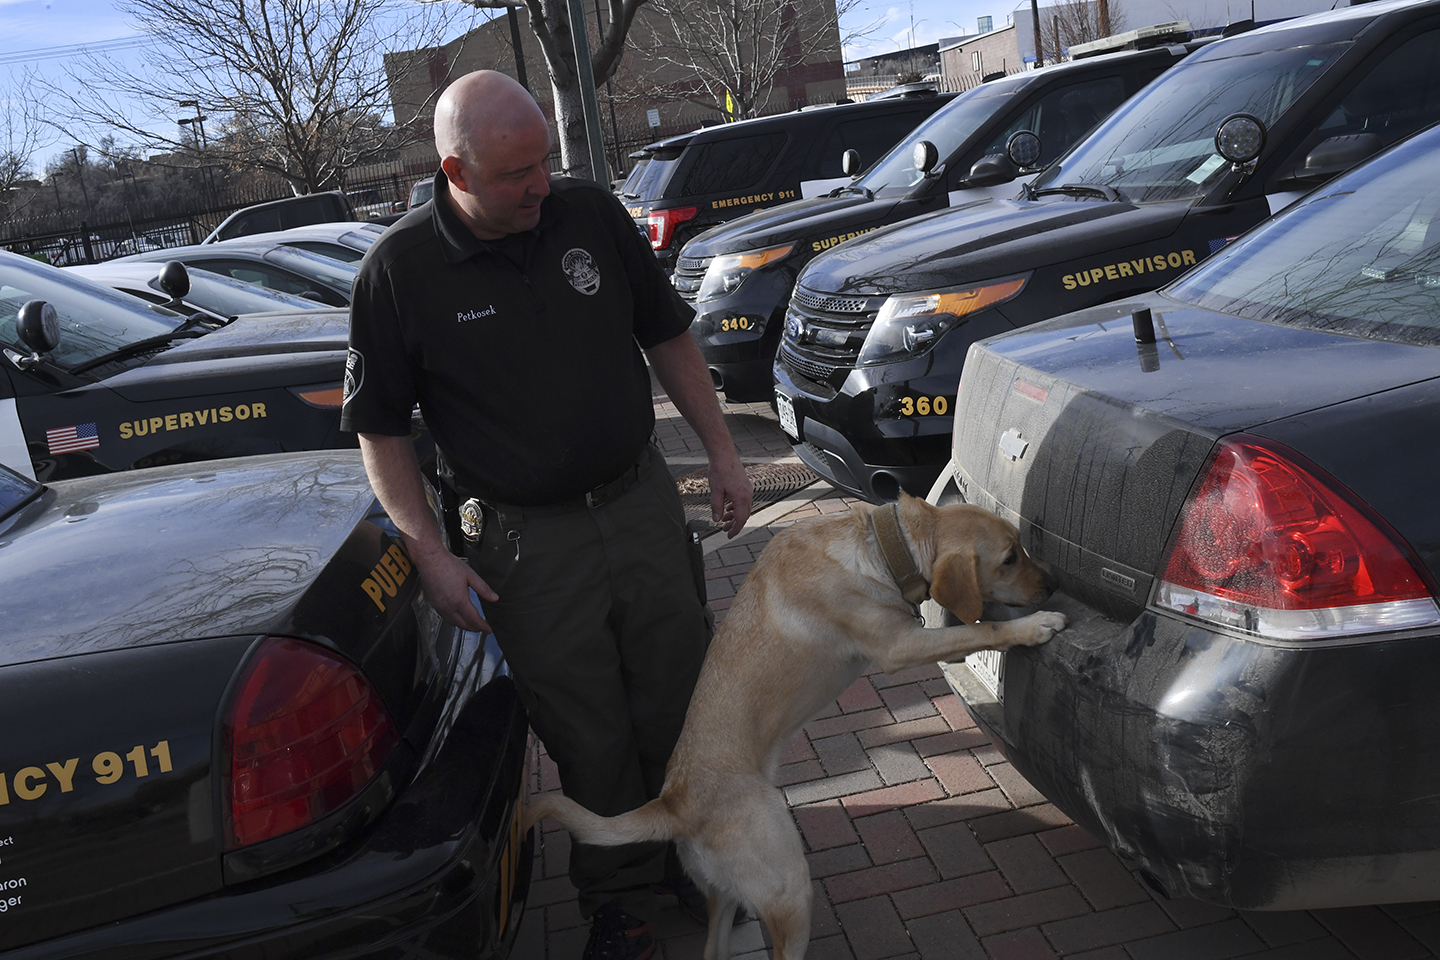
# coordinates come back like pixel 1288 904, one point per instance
pixel 955 584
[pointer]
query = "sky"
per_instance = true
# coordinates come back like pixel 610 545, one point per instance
pixel 43 34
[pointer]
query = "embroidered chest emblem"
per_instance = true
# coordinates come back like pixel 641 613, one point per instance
pixel 581 271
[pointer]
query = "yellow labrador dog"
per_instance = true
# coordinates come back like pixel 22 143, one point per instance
pixel 824 602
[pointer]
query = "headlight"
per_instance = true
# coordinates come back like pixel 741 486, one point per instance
pixel 728 272
pixel 909 323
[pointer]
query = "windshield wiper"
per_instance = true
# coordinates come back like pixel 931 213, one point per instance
pixel 183 332
pixel 1078 190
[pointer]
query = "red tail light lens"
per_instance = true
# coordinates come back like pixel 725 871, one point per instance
pixel 307 732
pixel 1273 546
pixel 663 224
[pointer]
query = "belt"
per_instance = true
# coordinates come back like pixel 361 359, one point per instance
pixel 512 515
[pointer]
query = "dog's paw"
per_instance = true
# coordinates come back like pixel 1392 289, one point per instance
pixel 1040 627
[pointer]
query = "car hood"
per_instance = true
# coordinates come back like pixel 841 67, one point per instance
pixel 1092 443
pixel 983 240
pixel 256 350
pixel 173 553
pixel 817 217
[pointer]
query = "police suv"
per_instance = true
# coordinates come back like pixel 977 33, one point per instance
pixel 877 330
pixel 692 182
pixel 93 380
pixel 739 276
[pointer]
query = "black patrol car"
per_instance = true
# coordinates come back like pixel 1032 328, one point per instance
pixel 739 276
pixel 878 329
pixel 694 181
pixel 236 729
pixel 93 380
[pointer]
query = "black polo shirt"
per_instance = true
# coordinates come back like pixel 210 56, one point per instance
pixel 523 353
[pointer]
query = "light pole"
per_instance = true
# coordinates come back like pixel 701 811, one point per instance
pixel 199 121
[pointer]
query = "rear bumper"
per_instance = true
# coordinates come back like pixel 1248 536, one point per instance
pixel 443 873
pixel 1254 776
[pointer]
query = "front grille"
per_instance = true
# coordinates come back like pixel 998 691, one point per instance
pixel 823 334
pixel 819 372
pixel 830 304
pixel 689 274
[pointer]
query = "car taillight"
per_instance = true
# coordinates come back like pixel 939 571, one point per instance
pixel 1271 545
pixel 306 733
pixel 663 224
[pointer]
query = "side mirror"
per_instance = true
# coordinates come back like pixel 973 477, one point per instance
pixel 1023 149
pixel 925 156
pixel 992 170
pixel 1338 154
pixel 850 163
pixel 174 281
pixel 38 327
pixel 1240 138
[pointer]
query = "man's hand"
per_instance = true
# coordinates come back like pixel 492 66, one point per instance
pixel 681 370
pixel 447 581
pixel 731 494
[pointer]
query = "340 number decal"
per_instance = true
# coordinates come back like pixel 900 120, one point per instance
pixel 734 323
pixel 924 406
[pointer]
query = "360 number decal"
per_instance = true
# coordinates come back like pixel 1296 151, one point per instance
pixel 924 406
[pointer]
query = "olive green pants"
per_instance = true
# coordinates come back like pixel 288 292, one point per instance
pixel 601 623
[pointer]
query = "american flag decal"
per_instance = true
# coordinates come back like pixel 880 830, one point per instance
pixel 82 436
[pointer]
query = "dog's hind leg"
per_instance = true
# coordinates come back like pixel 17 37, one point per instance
pixel 722 918
pixel 789 921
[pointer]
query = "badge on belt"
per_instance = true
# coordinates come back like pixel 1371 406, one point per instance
pixel 472 520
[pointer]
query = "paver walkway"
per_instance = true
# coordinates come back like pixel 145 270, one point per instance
pixel 925 844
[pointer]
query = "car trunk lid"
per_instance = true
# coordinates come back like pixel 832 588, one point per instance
pixel 1091 442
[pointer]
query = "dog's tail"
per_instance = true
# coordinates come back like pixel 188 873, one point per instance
pixel 653 821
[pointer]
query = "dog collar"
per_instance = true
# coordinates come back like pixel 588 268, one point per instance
pixel 886 521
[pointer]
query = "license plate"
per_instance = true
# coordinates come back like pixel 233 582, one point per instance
pixel 989 668
pixel 786 409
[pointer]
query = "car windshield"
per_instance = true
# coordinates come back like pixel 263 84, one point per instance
pixel 230 298
pixel 332 272
pixel 15 491
pixel 1361 257
pixel 94 320
pixel 1161 145
pixel 948 128
pixel 422 192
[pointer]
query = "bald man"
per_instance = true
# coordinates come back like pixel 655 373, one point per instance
pixel 514 310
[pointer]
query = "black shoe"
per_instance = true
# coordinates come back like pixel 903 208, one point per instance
pixel 616 935
pixel 693 903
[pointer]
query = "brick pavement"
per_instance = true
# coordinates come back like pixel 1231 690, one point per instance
pixel 925 844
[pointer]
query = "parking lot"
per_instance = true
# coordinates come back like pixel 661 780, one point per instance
pixel 923 842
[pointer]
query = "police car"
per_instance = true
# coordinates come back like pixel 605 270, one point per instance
pixel 878 329
pixel 96 381
pixel 235 728
pixel 694 181
pixel 1233 479
pixel 740 275
pixel 273 262
pixel 220 296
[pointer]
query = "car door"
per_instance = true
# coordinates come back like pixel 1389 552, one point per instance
pixel 1060 116
pixel 871 137
pixel 13 451
pixel 1395 94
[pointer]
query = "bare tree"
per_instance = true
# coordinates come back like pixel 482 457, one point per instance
pixel 550 22
pixel 729 54
pixel 1068 22
pixel 21 134
pixel 291 87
